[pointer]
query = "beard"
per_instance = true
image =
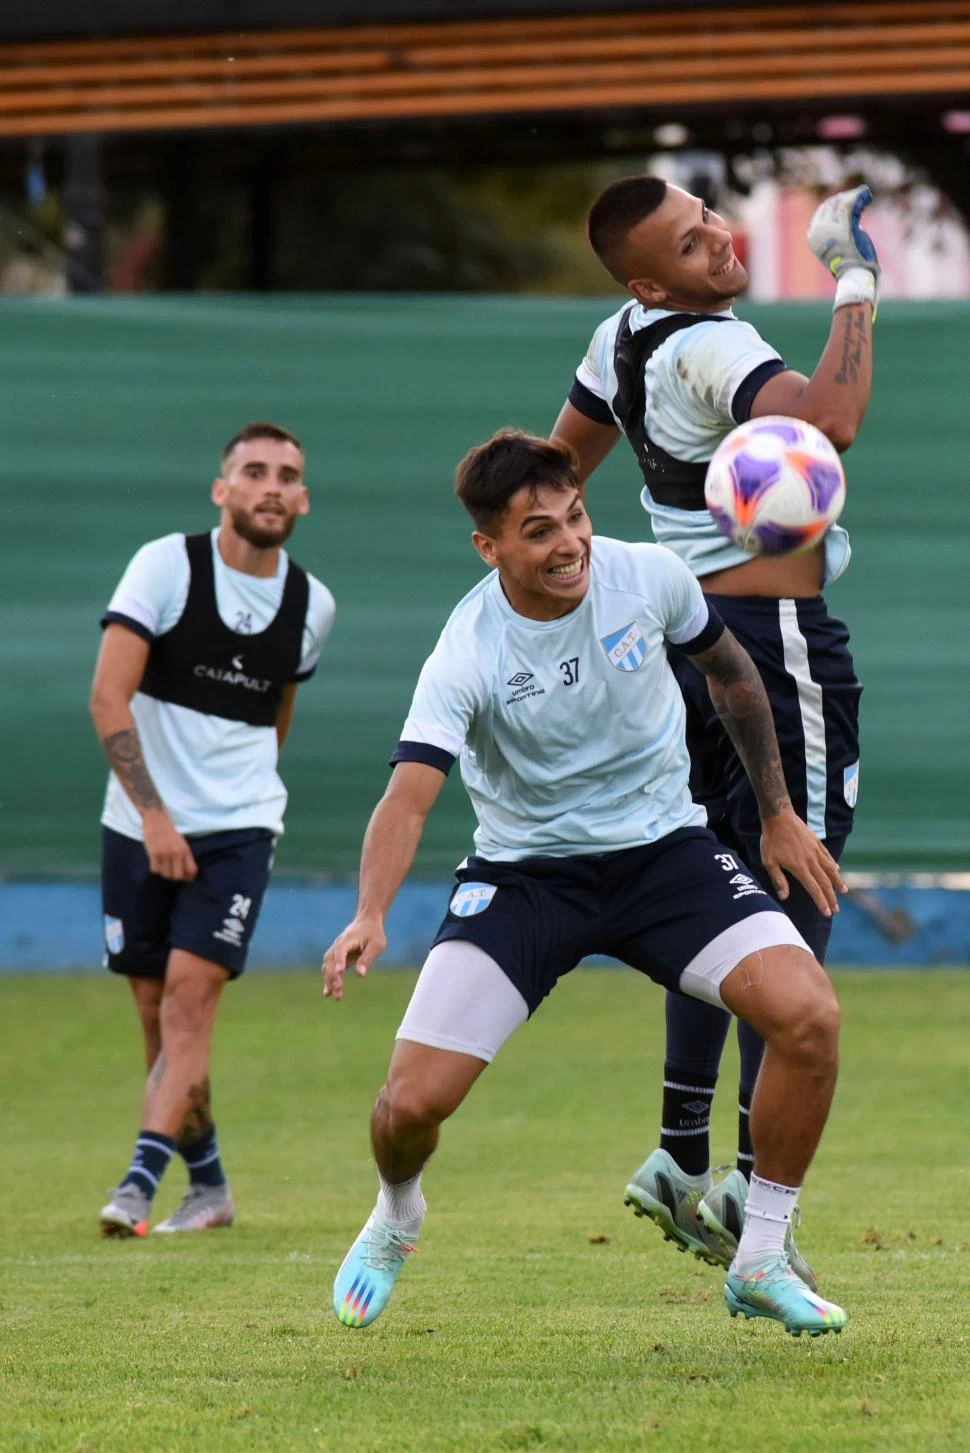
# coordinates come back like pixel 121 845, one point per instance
pixel 264 537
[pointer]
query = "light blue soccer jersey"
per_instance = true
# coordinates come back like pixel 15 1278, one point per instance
pixel 570 732
pixel 700 384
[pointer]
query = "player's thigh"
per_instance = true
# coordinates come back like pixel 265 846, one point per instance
pixel 137 906
pixel 215 915
pixel 535 920
pixel 783 992
pixel 691 912
pixel 464 1004
pixel 463 1009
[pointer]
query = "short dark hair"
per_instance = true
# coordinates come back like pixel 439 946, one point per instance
pixel 615 213
pixel 491 473
pixel 259 430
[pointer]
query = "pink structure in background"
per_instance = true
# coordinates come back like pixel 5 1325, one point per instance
pixel 923 245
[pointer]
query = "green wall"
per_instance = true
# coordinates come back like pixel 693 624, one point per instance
pixel 113 415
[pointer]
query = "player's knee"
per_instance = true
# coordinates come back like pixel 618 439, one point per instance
pixel 186 1008
pixel 412 1105
pixel 812 1036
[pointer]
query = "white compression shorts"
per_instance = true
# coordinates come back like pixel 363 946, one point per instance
pixel 464 1002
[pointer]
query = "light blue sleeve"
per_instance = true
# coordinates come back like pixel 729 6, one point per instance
pixel 447 699
pixel 684 612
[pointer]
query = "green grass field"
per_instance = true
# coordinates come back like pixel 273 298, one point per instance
pixel 538 1313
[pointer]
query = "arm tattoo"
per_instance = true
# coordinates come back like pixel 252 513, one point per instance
pixel 198 1117
pixel 124 753
pixel 854 342
pixel 741 702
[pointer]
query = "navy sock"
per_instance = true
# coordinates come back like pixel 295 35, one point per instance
pixel 686 1118
pixel 202 1158
pixel 752 1048
pixel 745 1148
pixel 153 1151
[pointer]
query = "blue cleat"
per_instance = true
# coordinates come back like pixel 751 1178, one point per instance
pixel 773 1290
pixel 363 1285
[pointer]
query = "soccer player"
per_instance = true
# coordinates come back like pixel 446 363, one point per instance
pixel 551 683
pixel 205 642
pixel 675 371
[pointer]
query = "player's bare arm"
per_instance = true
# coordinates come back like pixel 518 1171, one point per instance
pixel 836 396
pixel 590 440
pixel 788 844
pixel 117 676
pixel 390 843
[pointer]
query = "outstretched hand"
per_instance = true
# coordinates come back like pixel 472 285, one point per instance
pixel 358 946
pixel 788 845
pixel 839 241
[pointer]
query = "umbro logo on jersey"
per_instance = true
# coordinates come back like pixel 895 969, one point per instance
pixel 524 685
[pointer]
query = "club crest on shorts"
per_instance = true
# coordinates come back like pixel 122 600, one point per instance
pixel 471 898
pixel 625 649
pixel 850 784
pixel 114 934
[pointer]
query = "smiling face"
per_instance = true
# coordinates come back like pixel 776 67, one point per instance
pixel 541 549
pixel 682 257
pixel 261 491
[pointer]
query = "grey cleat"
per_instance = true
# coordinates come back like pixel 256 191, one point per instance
pixel 661 1191
pixel 127 1212
pixel 722 1212
pixel 202 1207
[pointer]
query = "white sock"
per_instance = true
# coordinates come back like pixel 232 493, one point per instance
pixel 402 1205
pixel 767 1216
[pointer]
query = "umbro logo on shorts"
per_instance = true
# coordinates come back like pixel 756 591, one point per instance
pixel 472 898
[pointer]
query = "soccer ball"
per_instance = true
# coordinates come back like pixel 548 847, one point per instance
pixel 775 485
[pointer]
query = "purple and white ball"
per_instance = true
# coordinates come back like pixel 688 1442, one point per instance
pixel 775 485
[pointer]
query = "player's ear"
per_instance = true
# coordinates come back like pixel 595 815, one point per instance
pixel 219 491
pixel 304 506
pixel 485 546
pixel 647 292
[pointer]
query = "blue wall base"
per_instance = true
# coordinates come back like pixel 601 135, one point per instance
pixel 53 927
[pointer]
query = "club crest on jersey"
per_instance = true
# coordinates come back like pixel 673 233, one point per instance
pixel 625 649
pixel 471 898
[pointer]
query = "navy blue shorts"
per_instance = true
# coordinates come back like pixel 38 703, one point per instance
pixel 146 916
pixel 655 908
pixel 803 656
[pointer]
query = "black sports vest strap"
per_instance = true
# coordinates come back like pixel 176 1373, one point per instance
pixel 670 481
pixel 202 664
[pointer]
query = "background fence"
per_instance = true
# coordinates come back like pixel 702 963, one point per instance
pixel 115 413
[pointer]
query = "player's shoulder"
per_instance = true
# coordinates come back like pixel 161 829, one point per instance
pixel 721 333
pixel 162 554
pixel 606 331
pixel 474 610
pixel 633 565
pixel 468 637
